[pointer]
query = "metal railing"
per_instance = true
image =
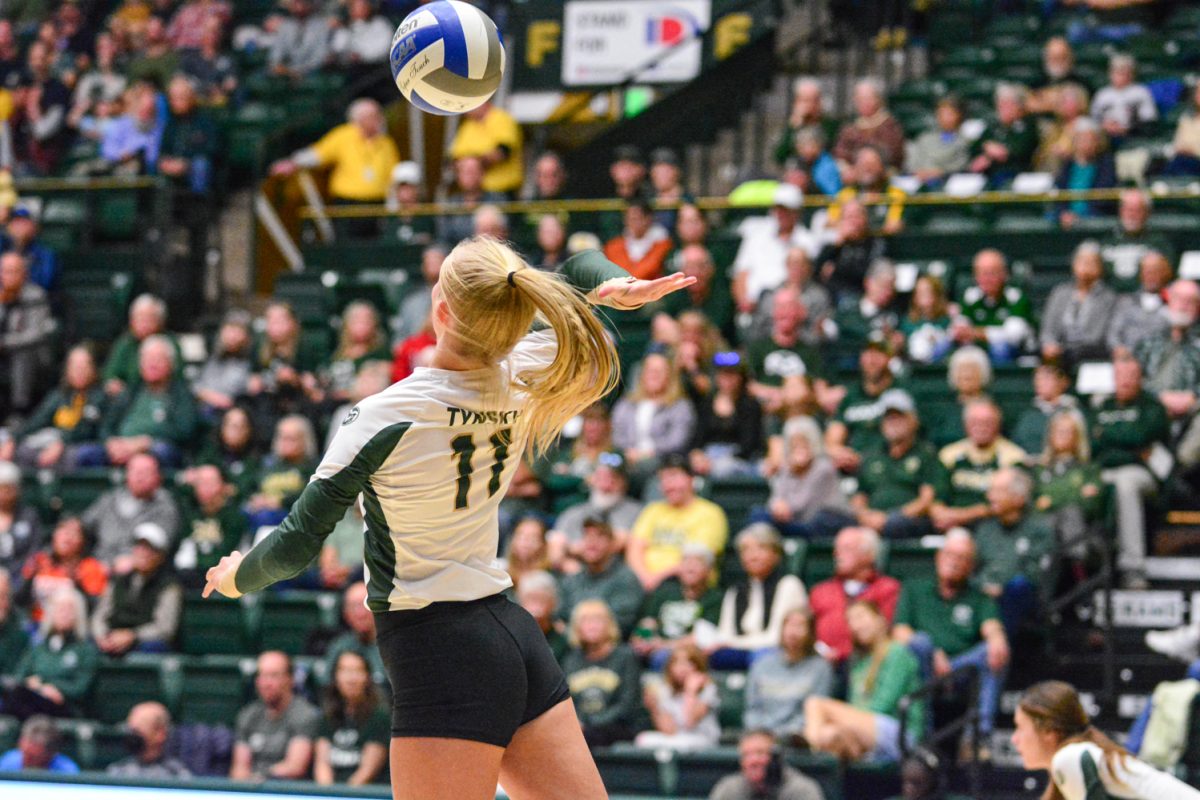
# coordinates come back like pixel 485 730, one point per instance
pixel 722 203
pixel 967 722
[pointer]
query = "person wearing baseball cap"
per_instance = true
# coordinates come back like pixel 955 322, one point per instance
pixel 655 547
pixel 404 191
pixel 666 178
pixel 628 171
pixel 761 262
pixel 140 608
pixel 897 484
pixel 855 427
pixel 21 235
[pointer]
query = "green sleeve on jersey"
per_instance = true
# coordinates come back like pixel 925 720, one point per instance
pixel 1091 779
pixel 587 270
pixel 296 542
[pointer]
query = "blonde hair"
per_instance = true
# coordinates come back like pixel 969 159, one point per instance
pixel 494 297
pixel 588 606
pixel 378 340
pixel 1083 449
pixel 76 599
pixel 673 392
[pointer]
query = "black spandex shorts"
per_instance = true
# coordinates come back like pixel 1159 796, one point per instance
pixel 474 670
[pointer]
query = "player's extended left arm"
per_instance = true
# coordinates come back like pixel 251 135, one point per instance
pixel 291 547
pixel 608 284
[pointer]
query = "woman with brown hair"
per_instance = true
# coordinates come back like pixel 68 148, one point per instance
pixel 683 705
pixel 882 671
pixel 1053 732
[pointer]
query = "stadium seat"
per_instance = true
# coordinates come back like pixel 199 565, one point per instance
pixel 625 768
pixel 731 687
pixel 73 492
pixel 120 685
pixel 212 627
pixel 214 689
pixel 905 560
pixel 738 496
pixel 698 771
pixel 818 562
pixel 117 216
pixel 10 731
pixel 286 621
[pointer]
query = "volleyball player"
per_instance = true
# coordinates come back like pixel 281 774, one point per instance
pixel 478 697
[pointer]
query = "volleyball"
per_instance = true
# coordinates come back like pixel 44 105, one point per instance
pixel 447 58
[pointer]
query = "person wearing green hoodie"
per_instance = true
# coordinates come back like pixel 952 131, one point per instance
pixel 1126 427
pixel 54 675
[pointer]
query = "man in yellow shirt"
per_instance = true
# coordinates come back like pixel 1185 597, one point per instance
pixel 663 528
pixel 491 134
pixel 360 151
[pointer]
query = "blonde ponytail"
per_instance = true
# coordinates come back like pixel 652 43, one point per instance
pixel 494 298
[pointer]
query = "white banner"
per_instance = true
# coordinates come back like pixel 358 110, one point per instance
pixel 604 40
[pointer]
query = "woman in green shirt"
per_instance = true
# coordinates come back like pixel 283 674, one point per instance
pixel 882 671
pixel 355 728
pixel 1068 487
pixel 54 675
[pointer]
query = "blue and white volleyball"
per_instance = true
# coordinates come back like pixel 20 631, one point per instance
pixel 447 57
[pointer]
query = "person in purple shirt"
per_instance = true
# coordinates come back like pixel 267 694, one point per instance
pixel 38 749
pixel 131 144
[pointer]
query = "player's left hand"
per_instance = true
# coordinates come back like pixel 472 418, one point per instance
pixel 221 576
pixel 628 293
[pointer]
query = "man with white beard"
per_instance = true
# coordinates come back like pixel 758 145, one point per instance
pixel 607 500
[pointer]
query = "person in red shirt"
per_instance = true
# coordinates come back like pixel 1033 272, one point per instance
pixel 855 551
pixel 64 564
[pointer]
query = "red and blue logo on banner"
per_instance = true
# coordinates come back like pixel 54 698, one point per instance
pixel 671 28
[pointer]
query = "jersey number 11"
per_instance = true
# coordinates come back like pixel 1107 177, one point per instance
pixel 463 448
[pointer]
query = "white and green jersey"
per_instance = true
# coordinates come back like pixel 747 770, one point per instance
pixel 1081 772
pixel 431 457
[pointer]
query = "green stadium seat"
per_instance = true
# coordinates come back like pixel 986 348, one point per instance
pixel 213 626
pixel 214 689
pixel 107 746
pixel 738 496
pixel 287 620
pixel 120 685
pixel 347 290
pixel 628 769
pixel 117 216
pixel 1010 223
pixel 698 771
pixel 950 222
pixel 818 562
pixel 10 731
pixel 731 687
pixel 906 560
pixel 73 492
pixel 823 769
pixel 794 552
pixel 306 292
pixel 355 257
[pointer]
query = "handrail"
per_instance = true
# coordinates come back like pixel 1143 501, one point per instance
pixel 968 721
pixel 723 203
pixel 1102 580
pixel 87 184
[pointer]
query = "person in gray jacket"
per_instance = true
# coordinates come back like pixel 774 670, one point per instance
pixel 940 152
pixel 603 575
pixel 26 328
pixel 653 420
pixel 1075 321
pixel 780 681
pixel 762 774
pixel 113 516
